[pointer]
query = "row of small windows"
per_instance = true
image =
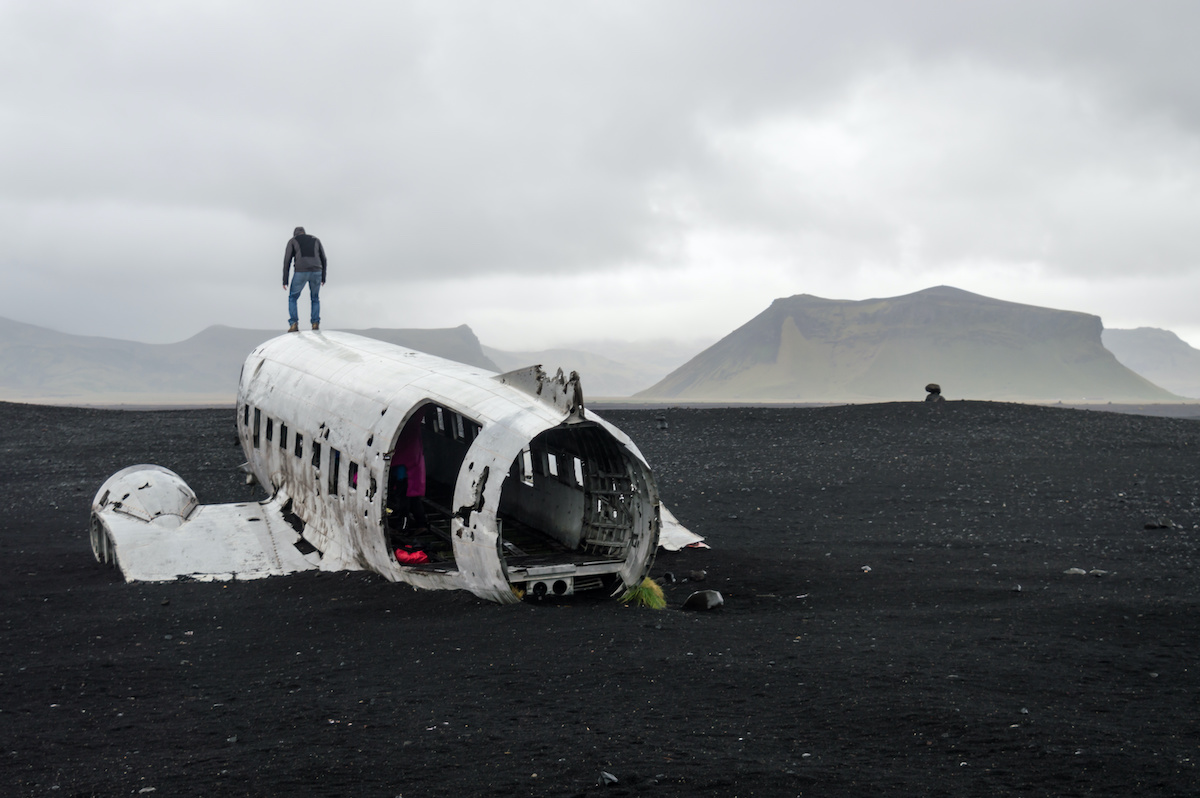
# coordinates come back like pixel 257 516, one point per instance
pixel 565 468
pixel 453 425
pixel 335 456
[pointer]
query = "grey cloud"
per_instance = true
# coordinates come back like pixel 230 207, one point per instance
pixel 553 138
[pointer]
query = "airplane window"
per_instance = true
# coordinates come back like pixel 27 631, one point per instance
pixel 527 467
pixel 257 418
pixel 299 445
pixel 578 471
pixel 552 464
pixel 270 427
pixel 335 461
pixel 283 436
pixel 316 458
pixel 246 416
pixel 352 476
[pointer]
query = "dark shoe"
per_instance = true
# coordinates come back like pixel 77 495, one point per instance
pixel 316 325
pixel 294 328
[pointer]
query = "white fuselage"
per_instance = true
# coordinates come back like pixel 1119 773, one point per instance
pixel 319 415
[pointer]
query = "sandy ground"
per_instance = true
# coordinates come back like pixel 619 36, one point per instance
pixel 897 622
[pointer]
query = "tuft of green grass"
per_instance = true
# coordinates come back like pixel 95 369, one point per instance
pixel 647 594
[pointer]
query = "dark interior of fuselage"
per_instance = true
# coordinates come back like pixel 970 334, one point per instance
pixel 570 497
pixel 445 438
pixel 567 498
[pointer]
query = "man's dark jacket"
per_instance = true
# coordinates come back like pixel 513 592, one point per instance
pixel 308 253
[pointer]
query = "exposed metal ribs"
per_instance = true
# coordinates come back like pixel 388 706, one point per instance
pixel 608 492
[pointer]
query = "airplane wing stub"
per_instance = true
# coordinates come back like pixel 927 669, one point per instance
pixel 146 521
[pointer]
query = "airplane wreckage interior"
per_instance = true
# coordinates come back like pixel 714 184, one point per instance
pixel 525 492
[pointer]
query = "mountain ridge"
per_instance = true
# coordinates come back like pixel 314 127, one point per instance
pixel 42 365
pixel 802 348
pixel 812 349
pixel 1159 355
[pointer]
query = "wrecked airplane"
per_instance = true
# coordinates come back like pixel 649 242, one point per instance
pixel 525 491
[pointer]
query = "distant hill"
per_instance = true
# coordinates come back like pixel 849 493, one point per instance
pixel 41 365
pixel 808 349
pixel 599 375
pixel 1160 356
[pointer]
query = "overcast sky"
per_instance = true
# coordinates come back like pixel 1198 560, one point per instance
pixel 564 171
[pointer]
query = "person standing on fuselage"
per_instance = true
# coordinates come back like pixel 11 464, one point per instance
pixel 309 256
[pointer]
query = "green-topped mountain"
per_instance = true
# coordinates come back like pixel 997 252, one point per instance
pixel 808 349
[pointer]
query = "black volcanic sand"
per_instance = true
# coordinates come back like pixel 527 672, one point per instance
pixel 929 674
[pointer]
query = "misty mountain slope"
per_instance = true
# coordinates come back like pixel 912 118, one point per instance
pixel 36 361
pixel 809 349
pixel 599 375
pixel 38 364
pixel 1160 356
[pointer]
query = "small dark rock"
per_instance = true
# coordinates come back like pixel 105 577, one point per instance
pixel 704 600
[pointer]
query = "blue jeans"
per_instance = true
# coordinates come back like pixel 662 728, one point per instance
pixel 299 280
